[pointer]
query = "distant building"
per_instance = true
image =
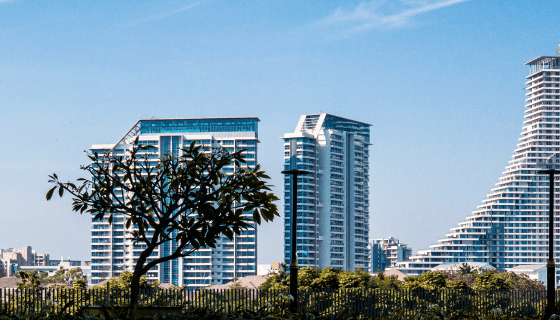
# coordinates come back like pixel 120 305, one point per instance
pixel 264 269
pixel 386 253
pixel 533 271
pixel 12 260
pixel 332 201
pixel 481 266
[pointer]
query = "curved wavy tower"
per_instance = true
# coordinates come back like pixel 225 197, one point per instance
pixel 510 227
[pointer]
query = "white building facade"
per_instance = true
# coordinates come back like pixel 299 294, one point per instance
pixel 333 201
pixel 386 252
pixel 510 227
pixel 111 250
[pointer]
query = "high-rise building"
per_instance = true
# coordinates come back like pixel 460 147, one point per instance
pixel 112 251
pixel 386 253
pixel 510 227
pixel 332 202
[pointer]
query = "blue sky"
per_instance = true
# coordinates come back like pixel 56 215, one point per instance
pixel 441 81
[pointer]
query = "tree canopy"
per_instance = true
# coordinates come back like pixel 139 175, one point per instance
pixel 331 278
pixel 188 199
pixel 33 278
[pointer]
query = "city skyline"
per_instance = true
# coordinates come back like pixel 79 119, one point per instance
pixel 442 83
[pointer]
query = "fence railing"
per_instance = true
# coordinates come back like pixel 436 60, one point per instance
pixel 373 302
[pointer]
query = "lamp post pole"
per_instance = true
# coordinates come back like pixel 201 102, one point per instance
pixel 293 224
pixel 550 266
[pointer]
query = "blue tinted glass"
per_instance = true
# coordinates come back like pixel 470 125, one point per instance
pixel 198 125
pixel 334 122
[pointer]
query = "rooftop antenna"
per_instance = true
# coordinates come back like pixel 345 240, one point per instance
pixel 557 51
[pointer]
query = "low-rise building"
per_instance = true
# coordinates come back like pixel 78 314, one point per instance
pixel 385 253
pixel 264 269
pixel 12 260
pixel 481 266
pixel 533 271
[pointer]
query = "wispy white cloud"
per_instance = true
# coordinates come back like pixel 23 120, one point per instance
pixel 369 15
pixel 163 15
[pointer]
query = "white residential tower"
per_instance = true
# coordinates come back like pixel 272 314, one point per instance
pixel 111 250
pixel 333 201
pixel 510 227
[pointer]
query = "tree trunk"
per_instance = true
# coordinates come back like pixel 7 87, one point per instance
pixel 135 287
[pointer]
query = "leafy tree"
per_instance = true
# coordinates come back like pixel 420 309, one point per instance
pixel 466 269
pixel 58 277
pixel 383 282
pixel 73 274
pixel 521 281
pixel 124 281
pixel 357 279
pixel 187 199
pixel 280 280
pixel 491 280
pixel 427 280
pixel 328 279
pixel 28 279
pixel 80 283
pixel 456 284
pixel 306 276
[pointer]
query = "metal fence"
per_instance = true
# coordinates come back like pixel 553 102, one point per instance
pixel 373 302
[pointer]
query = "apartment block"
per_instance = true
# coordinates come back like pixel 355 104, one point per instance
pixel 112 251
pixel 386 253
pixel 333 201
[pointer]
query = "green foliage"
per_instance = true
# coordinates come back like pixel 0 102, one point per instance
pixel 491 280
pixel 428 280
pixel 327 279
pixel 60 276
pixel 187 199
pixel 306 276
pixel 124 282
pixel 358 279
pixel 456 284
pixel 79 284
pixel 277 281
pixel 467 269
pixel 270 304
pixel 465 278
pixel 28 279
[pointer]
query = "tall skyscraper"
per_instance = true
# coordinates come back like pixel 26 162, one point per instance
pixel 510 227
pixel 111 250
pixel 333 204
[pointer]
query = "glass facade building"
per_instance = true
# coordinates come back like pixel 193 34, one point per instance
pixel 510 227
pixel 333 201
pixel 111 250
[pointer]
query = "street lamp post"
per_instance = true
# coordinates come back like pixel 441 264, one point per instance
pixel 550 265
pixel 293 222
